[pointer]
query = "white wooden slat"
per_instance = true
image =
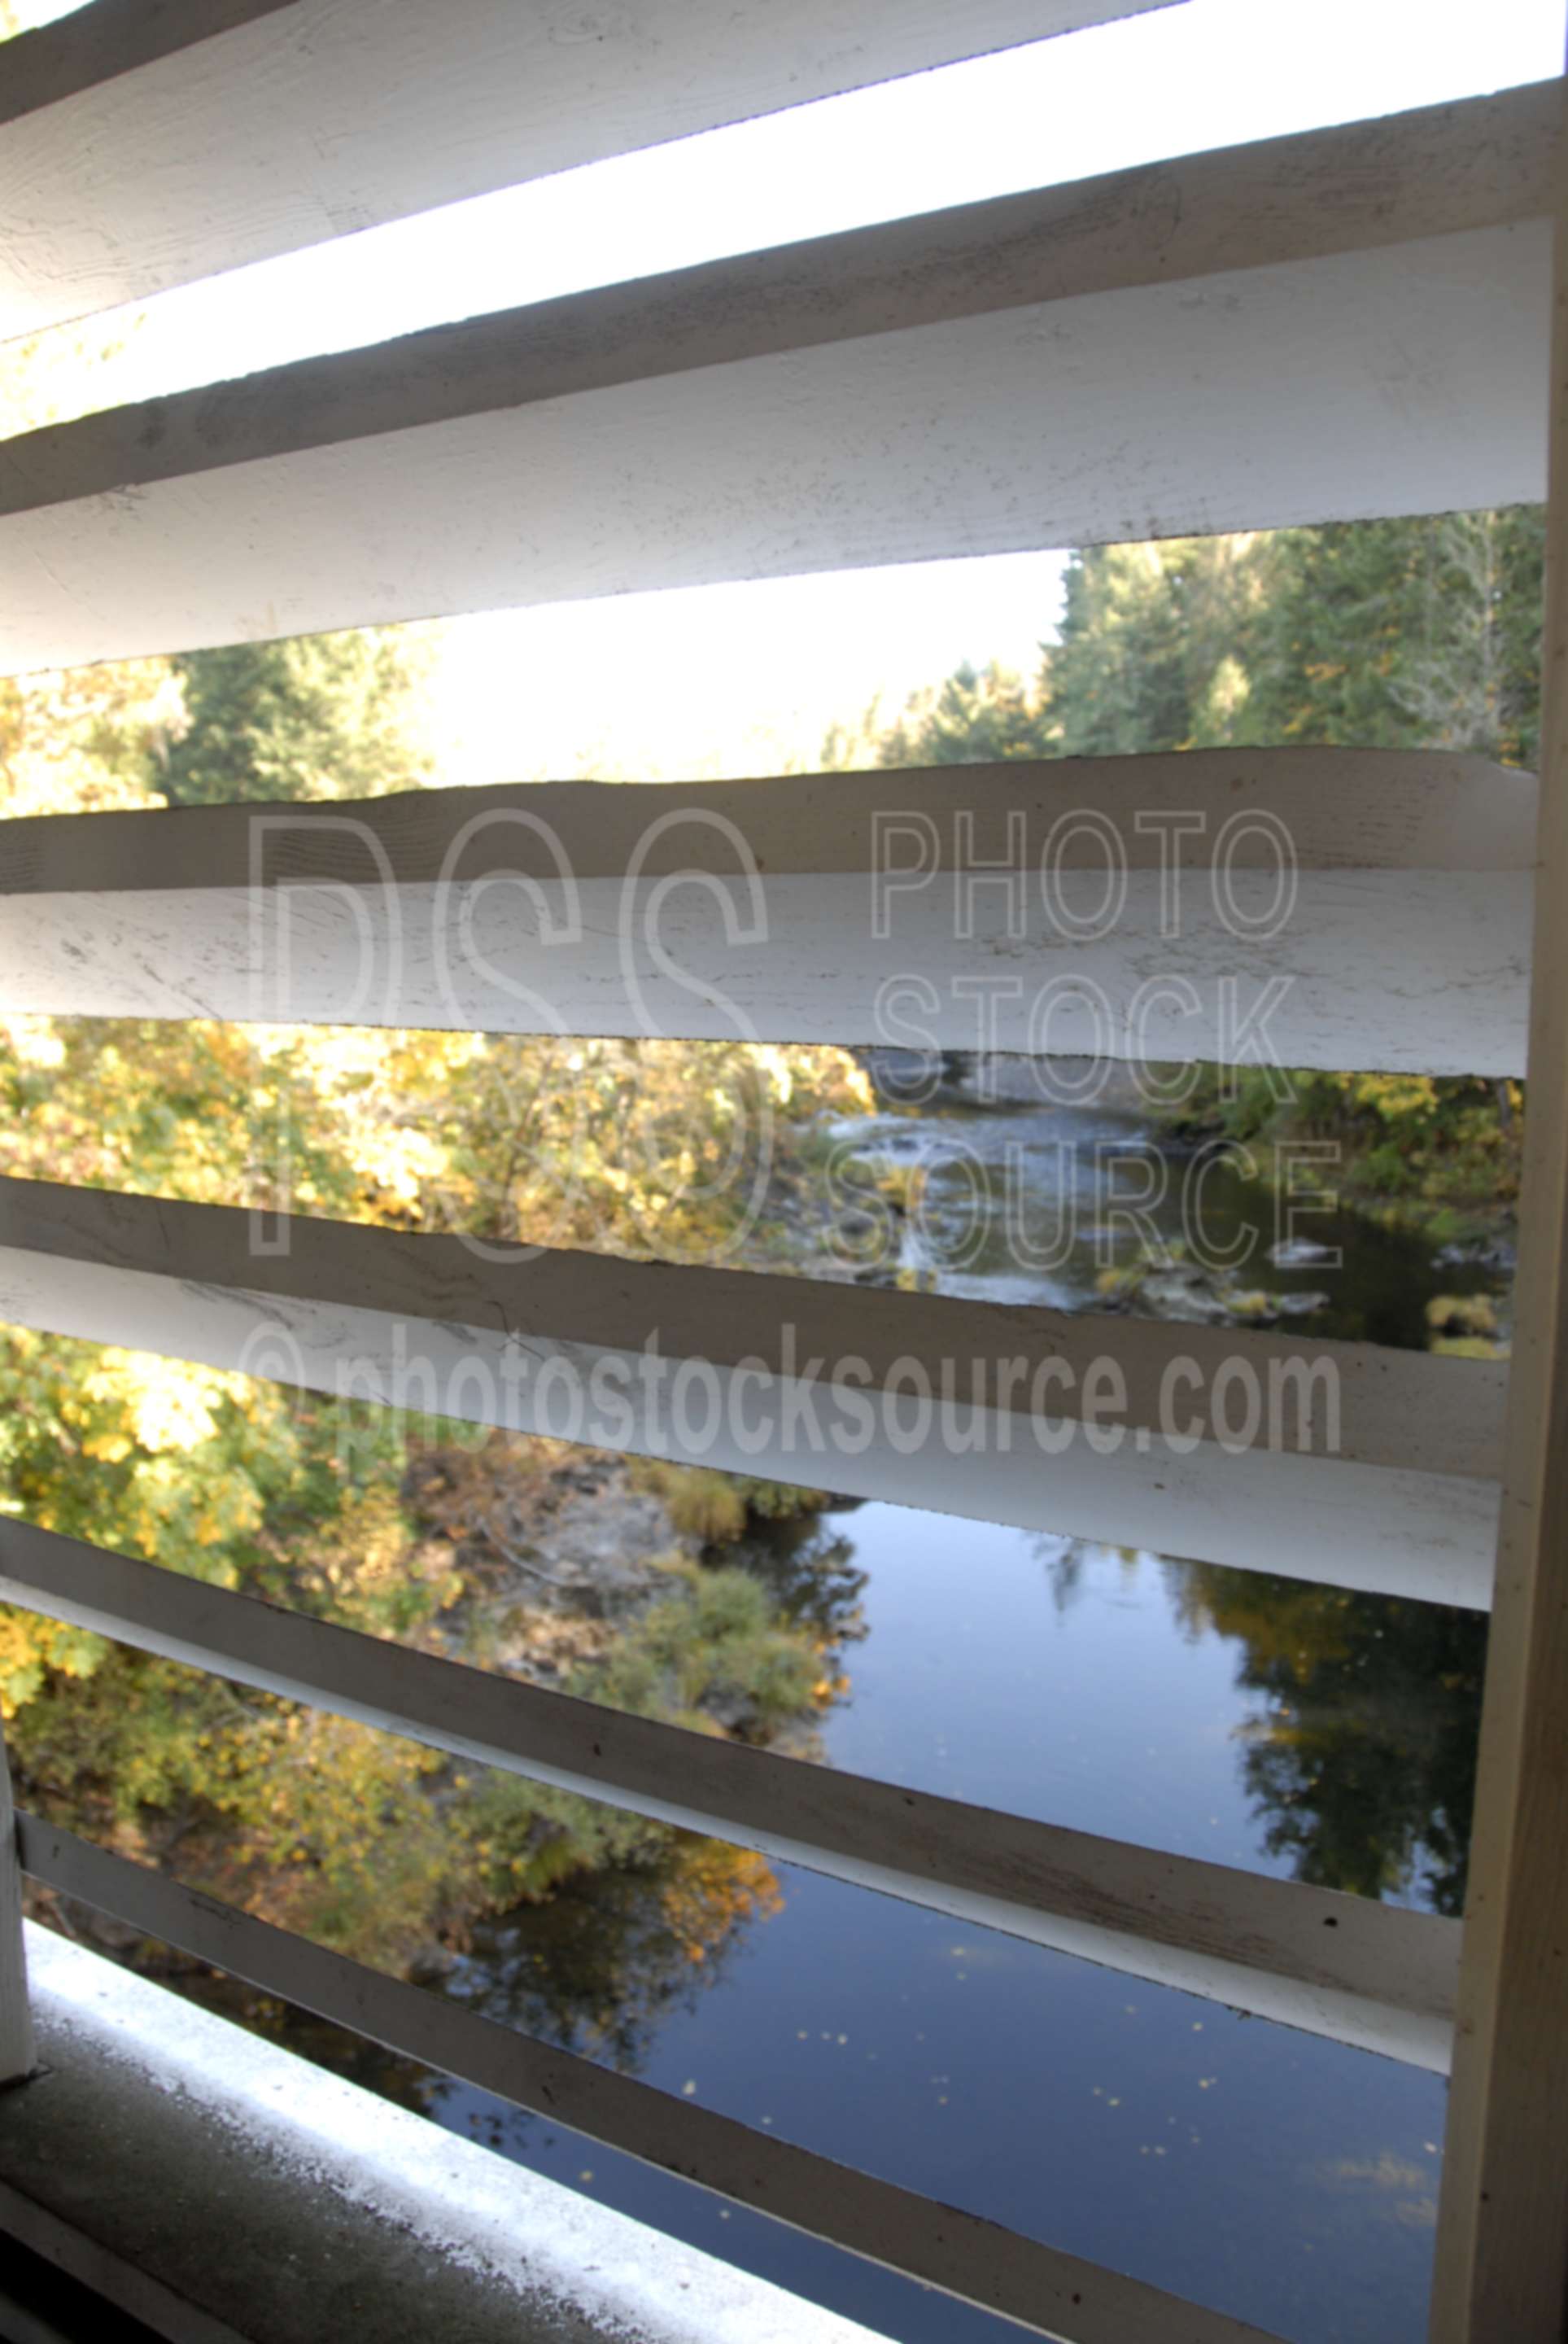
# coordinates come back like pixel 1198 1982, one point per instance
pixel 1366 338
pixel 1041 2287
pixel 221 135
pixel 1361 1467
pixel 1463 168
pixel 1405 945
pixel 1374 1976
pixel 18 2050
pixel 1345 810
pixel 1501 2248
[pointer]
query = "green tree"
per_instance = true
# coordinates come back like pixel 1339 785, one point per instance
pixel 974 718
pixel 1410 633
pixel 317 716
pixel 1154 648
pixel 1420 633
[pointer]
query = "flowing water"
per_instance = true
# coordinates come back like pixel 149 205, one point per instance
pixel 1289 1730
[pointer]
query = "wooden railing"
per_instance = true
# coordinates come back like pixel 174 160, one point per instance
pixel 1381 346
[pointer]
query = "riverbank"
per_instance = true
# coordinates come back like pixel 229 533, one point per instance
pixel 990 1185
pixel 1441 1158
pixel 606 1578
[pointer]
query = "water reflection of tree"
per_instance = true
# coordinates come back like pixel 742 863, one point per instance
pixel 612 1954
pixel 1065 1561
pixel 810 1573
pixel 599 1965
pixel 1362 1755
pixel 597 1968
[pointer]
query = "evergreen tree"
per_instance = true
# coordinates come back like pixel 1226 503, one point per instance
pixel 972 719
pixel 1154 648
pixel 318 716
pixel 1401 634
pixel 1418 633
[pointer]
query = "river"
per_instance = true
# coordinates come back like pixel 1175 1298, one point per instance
pixel 1286 1729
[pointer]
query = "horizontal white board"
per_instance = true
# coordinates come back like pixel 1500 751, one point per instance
pixel 1340 1463
pixel 1311 907
pixel 1119 368
pixel 227 133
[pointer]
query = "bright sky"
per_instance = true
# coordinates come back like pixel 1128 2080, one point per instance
pixel 747 679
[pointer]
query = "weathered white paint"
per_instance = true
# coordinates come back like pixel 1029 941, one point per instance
pixel 314 120
pixel 1362 1973
pixel 18 2050
pixel 1418 973
pixel 1399 1409
pixel 1405 945
pixel 1447 169
pixel 1502 2253
pixel 465 2205
pixel 1426 1535
pixel 1444 170
pixel 1381 1475
pixel 815 408
pixel 1345 810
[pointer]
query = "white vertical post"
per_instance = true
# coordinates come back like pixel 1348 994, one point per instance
pixel 1502 2260
pixel 18 2052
